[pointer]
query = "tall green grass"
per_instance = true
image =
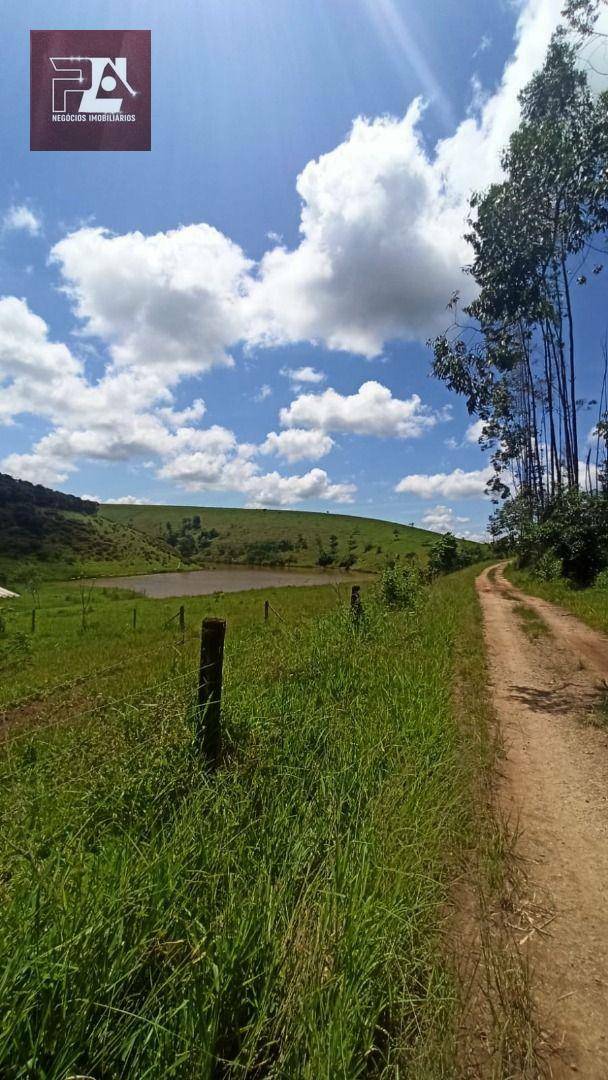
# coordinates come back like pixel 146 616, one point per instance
pixel 282 917
pixel 590 605
pixel 60 651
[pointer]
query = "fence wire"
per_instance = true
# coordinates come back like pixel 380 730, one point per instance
pixel 32 733
pixel 81 680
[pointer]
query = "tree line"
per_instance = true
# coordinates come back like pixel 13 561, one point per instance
pixel 21 493
pixel 515 353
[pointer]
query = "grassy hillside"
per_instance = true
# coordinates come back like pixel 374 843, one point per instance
pixel 287 537
pixel 283 917
pixel 47 534
pixel 70 545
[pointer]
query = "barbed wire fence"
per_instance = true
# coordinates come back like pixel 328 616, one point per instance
pixel 205 682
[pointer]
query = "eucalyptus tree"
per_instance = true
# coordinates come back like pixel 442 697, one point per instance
pixel 515 361
pixel 582 16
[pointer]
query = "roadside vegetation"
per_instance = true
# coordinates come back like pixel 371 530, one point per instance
pixel 590 604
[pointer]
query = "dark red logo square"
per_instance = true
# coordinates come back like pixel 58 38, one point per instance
pixel 90 89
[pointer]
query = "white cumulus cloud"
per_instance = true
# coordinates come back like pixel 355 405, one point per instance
pixel 128 500
pixel 383 217
pixel 128 415
pixel 36 375
pixel 176 417
pixel 272 489
pixel 235 471
pixel 171 301
pixel 371 411
pixel 297 444
pixel 442 519
pixel 304 374
pixel 474 431
pixel 455 485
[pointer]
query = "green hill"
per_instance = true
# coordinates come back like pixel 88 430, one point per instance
pixel 50 535
pixel 274 537
pixel 54 536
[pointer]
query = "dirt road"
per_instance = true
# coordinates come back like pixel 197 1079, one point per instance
pixel 547 681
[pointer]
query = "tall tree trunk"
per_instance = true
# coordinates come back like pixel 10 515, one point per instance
pixel 560 370
pixel 570 318
pixel 556 469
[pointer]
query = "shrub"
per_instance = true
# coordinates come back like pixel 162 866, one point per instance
pixel 447 555
pixel 401 587
pixel 574 530
pixel 601 581
pixel 267 552
pixel 15 649
pixel 548 567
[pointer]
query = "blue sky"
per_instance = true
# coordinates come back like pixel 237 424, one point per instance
pixel 238 317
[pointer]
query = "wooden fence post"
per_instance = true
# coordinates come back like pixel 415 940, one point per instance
pixel 182 622
pixel 134 617
pixel 33 620
pixel 266 610
pixel 356 606
pixel 209 734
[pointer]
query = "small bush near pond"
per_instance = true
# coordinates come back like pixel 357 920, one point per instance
pixel 401 587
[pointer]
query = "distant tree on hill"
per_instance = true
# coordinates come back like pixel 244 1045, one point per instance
pixel 186 546
pixel 445 555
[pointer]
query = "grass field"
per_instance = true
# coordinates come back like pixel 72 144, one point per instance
pixel 59 651
pixel 245 535
pixel 590 605
pixel 283 917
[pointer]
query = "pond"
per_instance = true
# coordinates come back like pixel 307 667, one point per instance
pixel 223 579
